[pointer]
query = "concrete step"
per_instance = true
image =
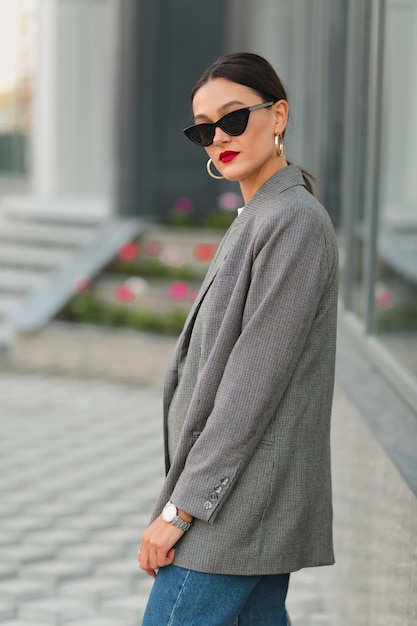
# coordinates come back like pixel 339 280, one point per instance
pixel 7 303
pixel 18 281
pixel 31 256
pixel 45 234
pixel 61 210
pixel 5 334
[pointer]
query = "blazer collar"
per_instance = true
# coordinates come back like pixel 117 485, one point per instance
pixel 284 179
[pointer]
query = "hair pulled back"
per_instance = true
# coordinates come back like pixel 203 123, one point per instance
pixel 256 73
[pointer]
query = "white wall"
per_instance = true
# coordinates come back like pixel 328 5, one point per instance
pixel 73 151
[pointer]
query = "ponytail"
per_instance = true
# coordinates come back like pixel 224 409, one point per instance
pixel 311 183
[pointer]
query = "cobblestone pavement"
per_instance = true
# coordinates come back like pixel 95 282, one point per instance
pixel 80 464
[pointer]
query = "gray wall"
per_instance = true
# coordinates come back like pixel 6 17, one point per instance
pixel 374 581
pixel 306 43
pixel 165 46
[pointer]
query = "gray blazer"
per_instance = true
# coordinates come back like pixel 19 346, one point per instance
pixel 248 392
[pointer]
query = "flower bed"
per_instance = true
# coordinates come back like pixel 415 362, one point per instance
pixel 150 286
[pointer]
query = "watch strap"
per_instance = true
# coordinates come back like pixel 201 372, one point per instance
pixel 180 523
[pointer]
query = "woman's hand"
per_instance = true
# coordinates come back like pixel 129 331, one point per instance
pixel 156 548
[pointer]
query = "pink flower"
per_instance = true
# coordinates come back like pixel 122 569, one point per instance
pixel 230 201
pixel 179 290
pixel 129 251
pixel 384 298
pixel 204 251
pixel 124 293
pixel 171 255
pixel 183 205
pixel 82 283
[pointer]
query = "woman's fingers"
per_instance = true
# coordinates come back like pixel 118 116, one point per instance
pixel 150 572
pixel 156 548
pixel 149 566
pixel 159 557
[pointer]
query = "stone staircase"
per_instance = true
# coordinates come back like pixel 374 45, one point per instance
pixel 36 238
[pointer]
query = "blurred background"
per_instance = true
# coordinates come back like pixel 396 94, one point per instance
pixel 101 196
pixel 94 95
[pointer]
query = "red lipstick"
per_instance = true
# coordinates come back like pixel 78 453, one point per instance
pixel 227 156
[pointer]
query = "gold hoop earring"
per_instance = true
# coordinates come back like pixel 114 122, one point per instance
pixel 279 145
pixel 209 162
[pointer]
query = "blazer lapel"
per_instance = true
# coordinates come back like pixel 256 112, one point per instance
pixel 222 252
pixel 171 379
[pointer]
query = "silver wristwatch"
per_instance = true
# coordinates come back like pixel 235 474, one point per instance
pixel 170 514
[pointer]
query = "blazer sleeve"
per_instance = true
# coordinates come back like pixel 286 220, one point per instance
pixel 294 261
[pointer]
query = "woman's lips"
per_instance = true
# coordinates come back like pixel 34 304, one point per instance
pixel 227 156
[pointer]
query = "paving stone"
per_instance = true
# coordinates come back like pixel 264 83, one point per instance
pixel 90 553
pixel 128 607
pixel 55 571
pixel 24 553
pixel 55 610
pixel 115 507
pixel 103 621
pixel 30 496
pixel 95 589
pixel 140 520
pixel 62 484
pixel 17 590
pixel 86 495
pixel 25 523
pixel 124 569
pixel 20 622
pixel 123 536
pixel 9 510
pixel 57 538
pixel 8 537
pixel 56 509
pixel 7 610
pixel 7 571
pixel 86 522
pixel 321 620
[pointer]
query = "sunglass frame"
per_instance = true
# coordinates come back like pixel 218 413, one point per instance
pixel 196 128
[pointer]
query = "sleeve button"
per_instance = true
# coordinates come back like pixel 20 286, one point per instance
pixel 224 481
pixel 208 505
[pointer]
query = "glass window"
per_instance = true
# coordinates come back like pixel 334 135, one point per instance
pixel 353 241
pixel 396 288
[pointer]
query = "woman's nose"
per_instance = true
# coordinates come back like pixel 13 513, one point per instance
pixel 220 136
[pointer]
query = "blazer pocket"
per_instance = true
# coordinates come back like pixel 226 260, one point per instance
pixel 266 444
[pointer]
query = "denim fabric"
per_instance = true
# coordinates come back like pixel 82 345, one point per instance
pixel 183 597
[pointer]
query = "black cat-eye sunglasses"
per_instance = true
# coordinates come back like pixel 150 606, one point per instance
pixel 233 124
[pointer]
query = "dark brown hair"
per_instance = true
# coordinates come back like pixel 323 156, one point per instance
pixel 256 73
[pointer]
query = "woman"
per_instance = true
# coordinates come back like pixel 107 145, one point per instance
pixel 247 400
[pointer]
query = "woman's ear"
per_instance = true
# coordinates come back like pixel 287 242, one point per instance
pixel 281 109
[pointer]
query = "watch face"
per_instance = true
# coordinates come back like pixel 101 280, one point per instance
pixel 169 512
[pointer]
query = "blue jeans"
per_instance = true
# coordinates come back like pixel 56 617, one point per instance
pixel 183 597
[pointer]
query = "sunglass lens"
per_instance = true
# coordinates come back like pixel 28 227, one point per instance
pixel 234 123
pixel 201 134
